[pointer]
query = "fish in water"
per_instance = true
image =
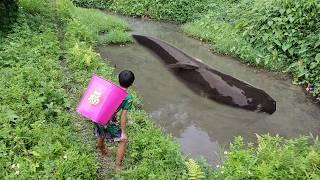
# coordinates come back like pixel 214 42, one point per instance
pixel 206 81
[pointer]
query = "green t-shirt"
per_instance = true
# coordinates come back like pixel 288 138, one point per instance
pixel 113 124
pixel 126 103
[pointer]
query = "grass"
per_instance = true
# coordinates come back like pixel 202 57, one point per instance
pixel 99 21
pixel 148 146
pixel 37 138
pixel 115 37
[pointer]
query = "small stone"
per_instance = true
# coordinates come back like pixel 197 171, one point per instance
pixel 225 152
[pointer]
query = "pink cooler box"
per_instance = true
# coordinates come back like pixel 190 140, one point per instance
pixel 101 100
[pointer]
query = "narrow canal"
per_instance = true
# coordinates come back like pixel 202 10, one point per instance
pixel 201 125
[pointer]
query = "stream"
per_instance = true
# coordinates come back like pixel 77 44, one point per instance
pixel 200 125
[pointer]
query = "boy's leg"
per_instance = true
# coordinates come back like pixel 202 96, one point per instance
pixel 99 132
pixel 120 153
pixel 101 146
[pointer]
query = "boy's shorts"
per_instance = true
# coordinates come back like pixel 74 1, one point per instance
pixel 111 132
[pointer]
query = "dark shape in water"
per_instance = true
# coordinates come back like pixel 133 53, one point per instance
pixel 206 81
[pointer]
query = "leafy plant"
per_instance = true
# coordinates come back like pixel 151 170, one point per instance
pixel 289 32
pixel 101 4
pixel 272 158
pixel 8 14
pixel 36 137
pixel 115 37
pixel 194 170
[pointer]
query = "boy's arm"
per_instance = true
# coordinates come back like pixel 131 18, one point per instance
pixel 123 119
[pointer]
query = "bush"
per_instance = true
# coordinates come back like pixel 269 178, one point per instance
pixel 8 14
pixel 224 38
pixel 101 4
pixel 177 10
pixel 98 21
pixel 36 136
pixel 148 145
pixel 290 32
pixel 272 158
pixel 115 37
pixel 36 7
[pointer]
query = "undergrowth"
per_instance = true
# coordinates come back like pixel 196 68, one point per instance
pixel 279 35
pixel 148 146
pixel 36 137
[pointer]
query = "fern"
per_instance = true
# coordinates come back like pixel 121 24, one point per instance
pixel 194 170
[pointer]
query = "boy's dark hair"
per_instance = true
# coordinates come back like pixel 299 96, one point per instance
pixel 126 78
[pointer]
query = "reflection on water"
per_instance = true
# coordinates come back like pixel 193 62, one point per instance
pixel 200 124
pixel 195 141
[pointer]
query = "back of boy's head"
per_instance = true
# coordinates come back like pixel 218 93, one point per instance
pixel 126 78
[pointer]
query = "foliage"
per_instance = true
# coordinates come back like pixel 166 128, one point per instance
pixel 8 14
pixel 99 21
pixel 289 31
pixel 177 10
pixel 223 38
pixel 36 7
pixel 87 24
pixel 148 146
pixel 115 37
pixel 194 170
pixel 100 4
pixel 36 137
pixel 64 9
pixel 278 34
pixel 272 158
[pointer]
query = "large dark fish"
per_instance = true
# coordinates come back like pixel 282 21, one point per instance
pixel 207 81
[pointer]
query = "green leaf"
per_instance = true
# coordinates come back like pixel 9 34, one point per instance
pixel 317 58
pixel 277 42
pixel 313 65
pixel 285 47
pixel 317 44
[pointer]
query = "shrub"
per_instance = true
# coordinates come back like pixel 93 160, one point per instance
pixel 272 158
pixel 98 21
pixel 224 38
pixel 115 37
pixel 101 4
pixel 36 137
pixel 8 14
pixel 177 10
pixel 290 32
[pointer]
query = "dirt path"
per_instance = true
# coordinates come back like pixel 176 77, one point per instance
pixel 82 126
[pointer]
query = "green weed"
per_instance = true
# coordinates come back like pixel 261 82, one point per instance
pixel 37 140
pixel 115 37
pixel 272 158
pixel 148 145
pixel 8 14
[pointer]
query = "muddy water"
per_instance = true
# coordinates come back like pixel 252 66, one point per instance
pixel 201 125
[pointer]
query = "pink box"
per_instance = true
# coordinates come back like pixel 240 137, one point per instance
pixel 101 100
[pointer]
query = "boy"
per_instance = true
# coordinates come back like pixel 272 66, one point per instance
pixel 113 131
